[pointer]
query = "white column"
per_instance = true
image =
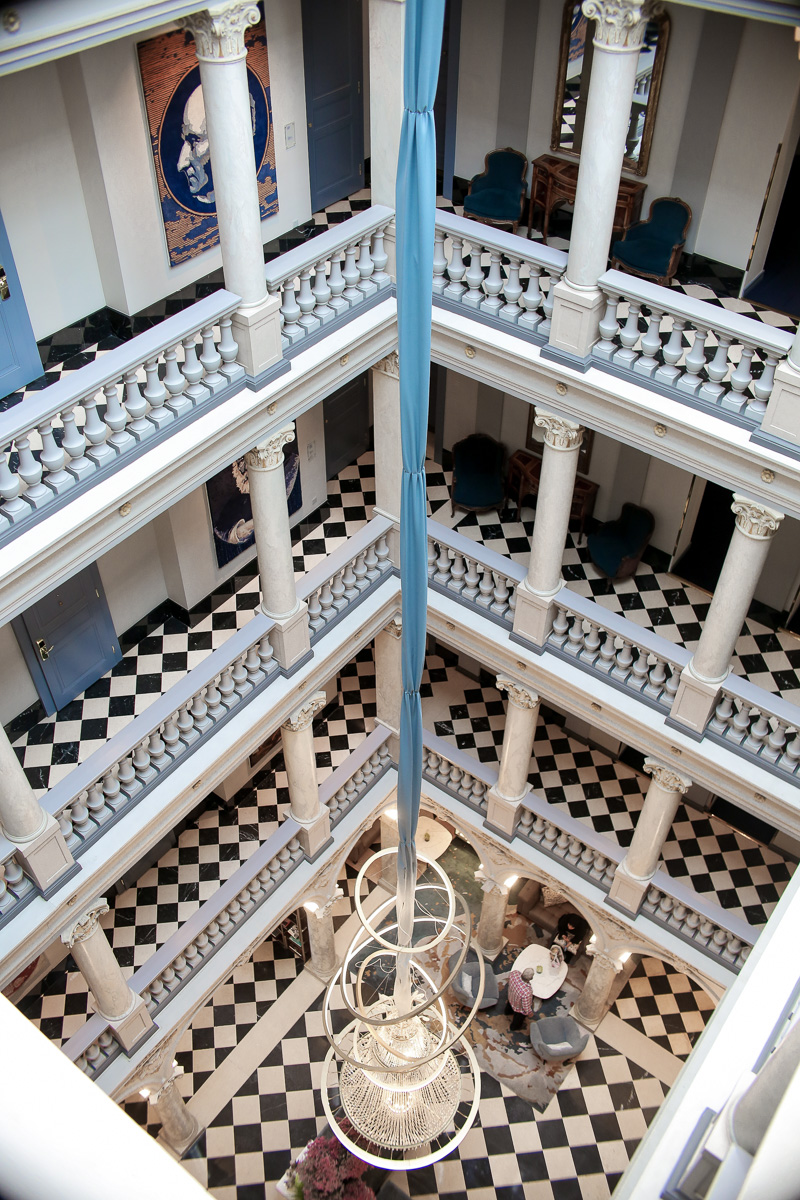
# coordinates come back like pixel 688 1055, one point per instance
pixel 634 873
pixel 489 939
pixel 755 527
pixel 389 680
pixel 324 962
pixel 591 1005
pixel 533 618
pixel 180 1129
pixel 618 33
pixel 297 737
pixel 388 447
pixel 117 1158
pixel 41 849
pixel 386 43
pixel 218 32
pixel 504 799
pixel 114 1001
pixel 290 638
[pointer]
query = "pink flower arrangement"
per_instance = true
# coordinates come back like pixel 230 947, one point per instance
pixel 327 1171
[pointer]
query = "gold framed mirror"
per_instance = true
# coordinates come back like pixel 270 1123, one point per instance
pixel 572 87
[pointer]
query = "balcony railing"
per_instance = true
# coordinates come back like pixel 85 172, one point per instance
pixel 748 720
pixel 341 579
pixel 584 852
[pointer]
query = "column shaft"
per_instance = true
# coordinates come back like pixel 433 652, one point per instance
pixel 321 937
pixel 21 815
pixel 592 1003
pixel 515 756
pixel 98 966
pixel 271 525
pixel 297 736
pixel 553 502
pixel 489 938
pixel 178 1126
pixel 653 826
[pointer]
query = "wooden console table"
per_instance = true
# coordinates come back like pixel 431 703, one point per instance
pixel 523 480
pixel 554 182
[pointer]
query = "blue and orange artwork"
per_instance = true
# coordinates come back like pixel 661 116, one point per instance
pixel 176 117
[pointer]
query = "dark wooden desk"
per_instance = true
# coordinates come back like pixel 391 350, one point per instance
pixel 554 182
pixel 522 480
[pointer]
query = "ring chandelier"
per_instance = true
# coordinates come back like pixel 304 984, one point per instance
pixel 400 1083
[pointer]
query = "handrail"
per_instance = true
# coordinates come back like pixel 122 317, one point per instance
pixel 294 262
pixel 497 239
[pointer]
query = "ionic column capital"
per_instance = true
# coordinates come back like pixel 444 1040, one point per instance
pixel 390 365
pixel 755 520
pixel 620 24
pixel 268 455
pixel 303 716
pixel 218 30
pixel 84 924
pixel 322 910
pixel 166 1087
pixel 519 695
pixel 666 778
pixel 559 433
pixel 394 628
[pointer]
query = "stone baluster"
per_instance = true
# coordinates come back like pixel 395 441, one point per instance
pixel 124 1011
pixel 35 833
pixel 532 298
pixel 308 320
pixel 474 295
pixel 381 277
pixel 366 267
pixel 489 939
pixel 290 637
pixel 698 692
pixel 53 459
pixel 512 291
pixel 30 472
pixel 634 873
pixel 505 798
pixel 175 383
pixel 629 336
pixel 456 271
pixel 136 406
pixel 14 507
pixel 647 363
pixel 493 285
pixel 591 1005
pixel 156 394
pixel 218 33
pixel 618 34
pixel 211 359
pixel 297 737
pixel 439 263
pixel 535 596
pixel 336 283
pixel 351 276
pixel 322 294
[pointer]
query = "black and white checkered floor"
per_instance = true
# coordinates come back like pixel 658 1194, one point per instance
pixel 740 875
pixel 268 1106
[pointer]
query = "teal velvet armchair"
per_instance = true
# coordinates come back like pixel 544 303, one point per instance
pixel 478 484
pixel 497 195
pixel 653 248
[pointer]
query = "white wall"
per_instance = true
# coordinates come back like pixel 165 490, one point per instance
pixel 42 202
pixel 132 578
pixel 775 587
pixel 17 692
pixel 478 83
pixel 761 101
pixel 665 491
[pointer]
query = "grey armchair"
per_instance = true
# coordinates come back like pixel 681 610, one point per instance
pixel 469 974
pixel 557 1038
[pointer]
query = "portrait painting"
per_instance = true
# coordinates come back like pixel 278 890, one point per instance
pixel 176 117
pixel 229 503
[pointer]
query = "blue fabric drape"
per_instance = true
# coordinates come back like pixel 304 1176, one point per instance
pixel 416 212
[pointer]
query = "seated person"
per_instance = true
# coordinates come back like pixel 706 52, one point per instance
pixel 520 997
pixel 570 932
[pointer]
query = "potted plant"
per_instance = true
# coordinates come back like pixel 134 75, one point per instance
pixel 326 1171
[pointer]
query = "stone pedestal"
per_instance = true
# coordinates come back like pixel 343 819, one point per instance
pixel 180 1129
pixel 489 939
pixel 125 1012
pixel 633 875
pixel 257 332
pixel 752 535
pixel 389 681
pixel 782 418
pixel 297 737
pixel 502 814
pixel 533 617
pixel 590 1008
pixel 324 962
pixel 41 849
pixel 290 638
pixel 618 32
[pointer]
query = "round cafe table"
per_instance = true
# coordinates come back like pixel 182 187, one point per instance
pixel 545 983
pixel 439 838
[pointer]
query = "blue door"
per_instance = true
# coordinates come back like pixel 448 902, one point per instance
pixel 334 100
pixel 68 639
pixel 19 354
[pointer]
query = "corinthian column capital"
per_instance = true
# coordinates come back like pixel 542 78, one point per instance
pixel 518 694
pixel 85 924
pixel 218 30
pixel 620 24
pixel 303 716
pixel 268 455
pixel 755 520
pixel 666 778
pixel 389 365
pixel 559 433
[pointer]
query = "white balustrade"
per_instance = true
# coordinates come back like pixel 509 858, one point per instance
pixel 713 931
pixel 96 417
pixel 476 575
pixel 508 278
pixel 456 772
pixel 357 774
pixel 330 276
pixel 688 349
pixel 346 575
pixel 757 724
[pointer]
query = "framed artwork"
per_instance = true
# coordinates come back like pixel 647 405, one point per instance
pixel 176 118
pixel 229 503
pixel 534 442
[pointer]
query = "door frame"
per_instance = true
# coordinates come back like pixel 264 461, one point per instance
pixel 773 199
pixel 451 101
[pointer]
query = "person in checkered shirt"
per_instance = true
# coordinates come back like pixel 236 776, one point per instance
pixel 520 997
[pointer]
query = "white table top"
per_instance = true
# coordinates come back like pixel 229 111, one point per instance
pixel 438 841
pixel 547 982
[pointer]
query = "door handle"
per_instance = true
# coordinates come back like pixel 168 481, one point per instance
pixel 4 288
pixel 44 650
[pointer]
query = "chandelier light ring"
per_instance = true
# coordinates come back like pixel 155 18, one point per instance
pixel 375 1023
pixel 403 1163
pixel 393 851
